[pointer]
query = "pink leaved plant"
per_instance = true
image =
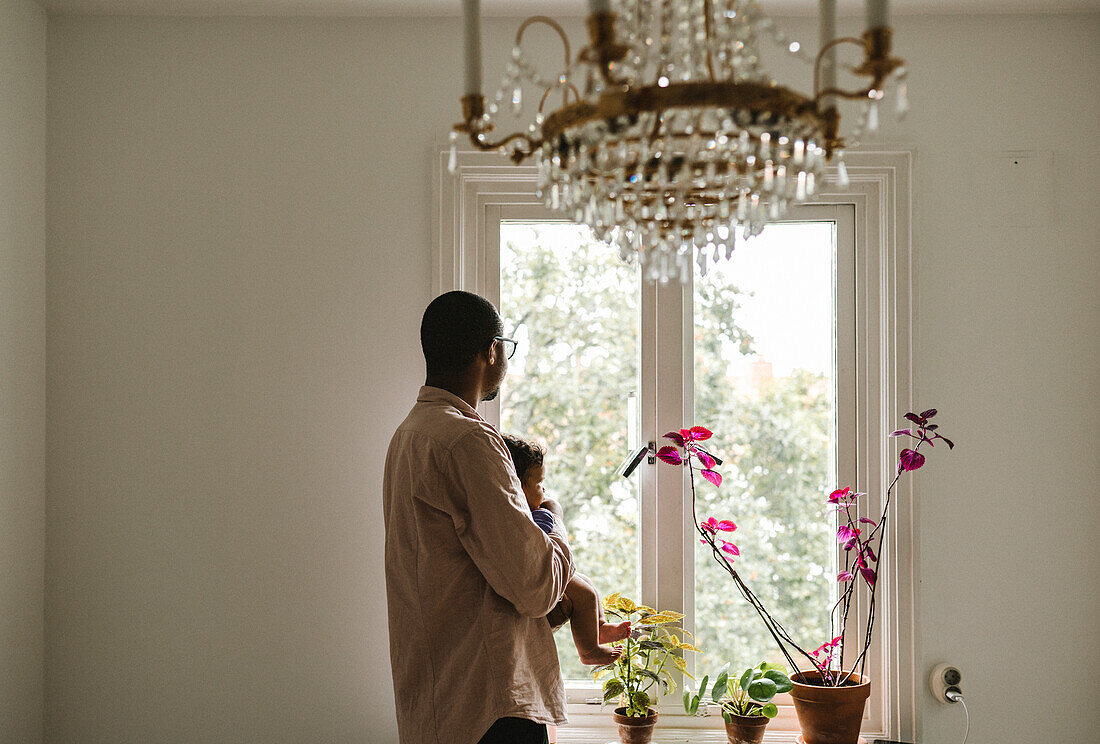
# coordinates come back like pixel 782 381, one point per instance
pixel 860 537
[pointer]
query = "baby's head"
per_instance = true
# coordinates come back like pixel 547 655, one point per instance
pixel 527 457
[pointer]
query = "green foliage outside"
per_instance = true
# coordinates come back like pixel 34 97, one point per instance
pixel 576 313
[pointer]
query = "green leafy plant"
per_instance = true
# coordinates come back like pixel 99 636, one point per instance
pixel 637 677
pixel 751 694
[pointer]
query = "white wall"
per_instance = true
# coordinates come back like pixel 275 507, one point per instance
pixel 238 242
pixel 22 367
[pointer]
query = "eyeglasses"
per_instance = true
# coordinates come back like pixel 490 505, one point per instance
pixel 509 344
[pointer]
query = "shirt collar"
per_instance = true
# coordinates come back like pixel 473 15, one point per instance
pixel 429 394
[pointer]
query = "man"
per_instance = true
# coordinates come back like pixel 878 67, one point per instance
pixel 470 577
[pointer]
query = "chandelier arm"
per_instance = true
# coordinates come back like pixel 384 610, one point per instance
pixel 862 44
pixel 566 88
pixel 518 156
pixel 546 20
pixel 853 95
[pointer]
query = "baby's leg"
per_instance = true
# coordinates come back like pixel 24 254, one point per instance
pixel 586 623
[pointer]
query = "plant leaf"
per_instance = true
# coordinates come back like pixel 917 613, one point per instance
pixel 782 682
pixel 770 710
pixel 762 690
pixel 682 666
pixel 721 684
pixel 612 688
pixel 687 701
pixel 639 701
pixel 667 616
pixel 700 433
pixel 676 437
pixel 706 459
pixel 910 459
pixel 726 716
pixel 748 676
pixel 713 476
pixel 669 454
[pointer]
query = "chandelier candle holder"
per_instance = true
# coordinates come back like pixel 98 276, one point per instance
pixel 665 135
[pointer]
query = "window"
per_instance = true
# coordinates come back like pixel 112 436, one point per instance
pixel 572 386
pixel 795 353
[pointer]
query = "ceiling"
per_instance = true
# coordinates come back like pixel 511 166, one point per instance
pixel 512 7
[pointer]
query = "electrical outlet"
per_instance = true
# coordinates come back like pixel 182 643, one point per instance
pixel 945 678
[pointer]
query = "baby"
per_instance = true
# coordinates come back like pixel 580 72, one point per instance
pixel 581 604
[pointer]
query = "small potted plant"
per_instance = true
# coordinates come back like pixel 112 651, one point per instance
pixel 637 677
pixel 747 708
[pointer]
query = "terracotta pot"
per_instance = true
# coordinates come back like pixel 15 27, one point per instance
pixel 634 730
pixel 829 715
pixel 746 729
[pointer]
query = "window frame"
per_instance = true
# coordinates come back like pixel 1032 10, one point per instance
pixel 465 255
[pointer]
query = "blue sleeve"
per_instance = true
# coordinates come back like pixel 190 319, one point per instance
pixel 544 518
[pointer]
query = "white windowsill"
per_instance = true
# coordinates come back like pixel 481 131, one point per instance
pixel 590 726
pixel 670 735
pixel 661 735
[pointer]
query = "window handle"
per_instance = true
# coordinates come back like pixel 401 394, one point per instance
pixel 631 463
pixel 634 459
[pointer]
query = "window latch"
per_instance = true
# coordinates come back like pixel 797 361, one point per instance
pixel 634 459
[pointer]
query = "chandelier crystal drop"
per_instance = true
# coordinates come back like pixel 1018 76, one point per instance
pixel 668 138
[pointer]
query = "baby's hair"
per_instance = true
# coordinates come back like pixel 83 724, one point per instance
pixel 525 455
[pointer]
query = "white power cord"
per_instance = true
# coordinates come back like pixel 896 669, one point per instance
pixel 956 697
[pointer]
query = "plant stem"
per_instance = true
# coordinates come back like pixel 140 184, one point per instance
pixel 776 630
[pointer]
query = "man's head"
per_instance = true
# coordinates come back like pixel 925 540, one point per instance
pixel 457 335
pixel 528 459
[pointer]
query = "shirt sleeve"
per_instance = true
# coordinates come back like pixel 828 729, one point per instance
pixel 544 518
pixel 526 566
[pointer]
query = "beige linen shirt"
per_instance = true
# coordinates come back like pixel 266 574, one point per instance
pixel 469 579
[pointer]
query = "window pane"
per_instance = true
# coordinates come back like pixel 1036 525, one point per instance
pixel 765 382
pixel 573 307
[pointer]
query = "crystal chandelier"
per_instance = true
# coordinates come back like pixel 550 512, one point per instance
pixel 668 136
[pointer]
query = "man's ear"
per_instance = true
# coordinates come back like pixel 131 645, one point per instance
pixel 491 355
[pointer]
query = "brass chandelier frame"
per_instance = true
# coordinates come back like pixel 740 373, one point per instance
pixel 621 100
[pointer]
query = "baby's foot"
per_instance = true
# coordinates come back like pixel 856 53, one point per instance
pixel 599 655
pixel 611 632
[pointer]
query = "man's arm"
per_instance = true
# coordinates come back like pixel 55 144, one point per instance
pixel 523 564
